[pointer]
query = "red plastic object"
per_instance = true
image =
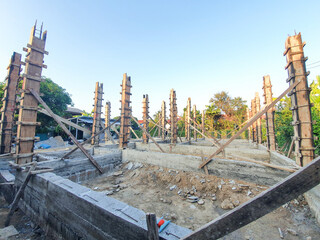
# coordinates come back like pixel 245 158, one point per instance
pixel 160 223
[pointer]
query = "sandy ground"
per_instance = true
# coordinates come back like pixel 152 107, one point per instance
pixel 192 200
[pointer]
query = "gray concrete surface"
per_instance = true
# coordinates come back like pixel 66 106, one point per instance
pixel 71 211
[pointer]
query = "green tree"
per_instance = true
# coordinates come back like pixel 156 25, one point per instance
pixel 57 99
pixel 315 111
pixel 225 113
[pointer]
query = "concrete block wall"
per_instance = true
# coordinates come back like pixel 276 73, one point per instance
pixel 313 199
pixel 79 170
pixel 70 211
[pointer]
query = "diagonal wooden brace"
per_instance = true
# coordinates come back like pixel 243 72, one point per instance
pixel 286 190
pixel 249 123
pixel 94 162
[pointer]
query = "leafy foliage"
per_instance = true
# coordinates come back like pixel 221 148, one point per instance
pixel 57 100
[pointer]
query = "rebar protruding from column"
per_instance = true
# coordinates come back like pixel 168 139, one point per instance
pixel 202 122
pixel 195 120
pixel 254 125
pixel 300 101
pixel 9 103
pixel 125 115
pixel 163 120
pixel 173 116
pixel 145 114
pixel 249 128
pixel 97 113
pixel 259 129
pixel 107 120
pixel 188 116
pixel 27 120
pixel 271 138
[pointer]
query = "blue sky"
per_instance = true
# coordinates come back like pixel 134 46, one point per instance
pixel 196 47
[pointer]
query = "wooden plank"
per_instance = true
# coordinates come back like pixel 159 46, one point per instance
pixel 159 125
pixel 15 202
pixel 246 159
pixel 249 123
pixel 148 134
pixel 67 122
pixel 215 141
pixel 286 190
pixel 39 99
pixel 88 140
pixel 291 148
pixel 153 233
pixel 107 119
pixel 134 132
pixel 125 112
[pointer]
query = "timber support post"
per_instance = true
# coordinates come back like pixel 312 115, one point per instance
pixel 195 120
pixel 271 138
pixel 188 132
pixel 107 120
pixel 249 128
pixel 97 113
pixel 145 114
pixel 125 115
pixel 163 120
pixel 27 121
pixel 202 122
pixel 173 116
pixel 300 101
pixel 9 103
pixel 254 125
pixel 259 129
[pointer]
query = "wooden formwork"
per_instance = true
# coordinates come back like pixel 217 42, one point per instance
pixel 202 122
pixel 163 120
pixel 259 129
pixel 173 116
pixel 107 120
pixel 300 102
pixel 9 103
pixel 249 128
pixel 195 120
pixel 27 121
pixel 145 114
pixel 271 138
pixel 97 113
pixel 254 125
pixel 125 114
pixel 188 116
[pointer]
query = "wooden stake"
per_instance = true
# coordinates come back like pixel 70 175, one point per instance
pixel 39 99
pixel 249 123
pixel 15 202
pixel 259 130
pixel 148 134
pixel 202 122
pixel 9 103
pixel 195 120
pixel 254 125
pixel 145 113
pixel 107 120
pixel 86 141
pixel 291 148
pixel 152 226
pixel 188 132
pixel 271 138
pixel 163 120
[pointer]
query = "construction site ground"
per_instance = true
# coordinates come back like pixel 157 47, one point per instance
pixel 193 199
